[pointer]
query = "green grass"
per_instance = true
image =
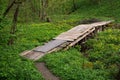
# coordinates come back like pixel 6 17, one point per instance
pixel 12 66
pixel 105 47
pixel 100 64
pixel 106 9
pixel 68 65
pixel 36 34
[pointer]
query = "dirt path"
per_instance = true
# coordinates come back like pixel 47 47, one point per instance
pixel 45 72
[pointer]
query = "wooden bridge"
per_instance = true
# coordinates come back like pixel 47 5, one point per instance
pixel 66 39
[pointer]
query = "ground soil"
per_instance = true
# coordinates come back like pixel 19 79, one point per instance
pixel 45 71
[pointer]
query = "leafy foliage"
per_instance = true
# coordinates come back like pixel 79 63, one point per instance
pixel 12 67
pixel 104 53
pixel 105 50
pixel 101 63
pixel 71 65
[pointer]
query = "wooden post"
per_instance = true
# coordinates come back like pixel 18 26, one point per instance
pixel 103 27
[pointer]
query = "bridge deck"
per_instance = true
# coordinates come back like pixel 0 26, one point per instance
pixel 65 39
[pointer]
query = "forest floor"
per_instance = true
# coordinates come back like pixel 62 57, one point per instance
pixel 45 71
pixel 103 50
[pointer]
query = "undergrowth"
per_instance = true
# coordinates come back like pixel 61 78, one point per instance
pixel 12 66
pixel 100 64
pixel 104 50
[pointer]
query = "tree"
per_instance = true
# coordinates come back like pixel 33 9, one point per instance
pixel 14 26
pixel 8 9
pixel 74 5
pixel 43 14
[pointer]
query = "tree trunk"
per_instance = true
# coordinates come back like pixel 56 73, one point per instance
pixel 8 9
pixel 32 6
pixel 13 28
pixel 44 16
pixel 74 5
pixel 118 74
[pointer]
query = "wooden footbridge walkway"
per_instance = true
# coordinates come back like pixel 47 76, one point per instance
pixel 66 39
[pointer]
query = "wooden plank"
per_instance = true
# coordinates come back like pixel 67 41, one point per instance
pixel 49 46
pixel 79 30
pixel 76 41
pixel 73 35
pixel 59 47
pixel 97 24
pixel 38 57
pixel 33 55
pixel 25 52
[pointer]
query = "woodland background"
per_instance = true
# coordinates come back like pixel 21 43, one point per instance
pixel 25 24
